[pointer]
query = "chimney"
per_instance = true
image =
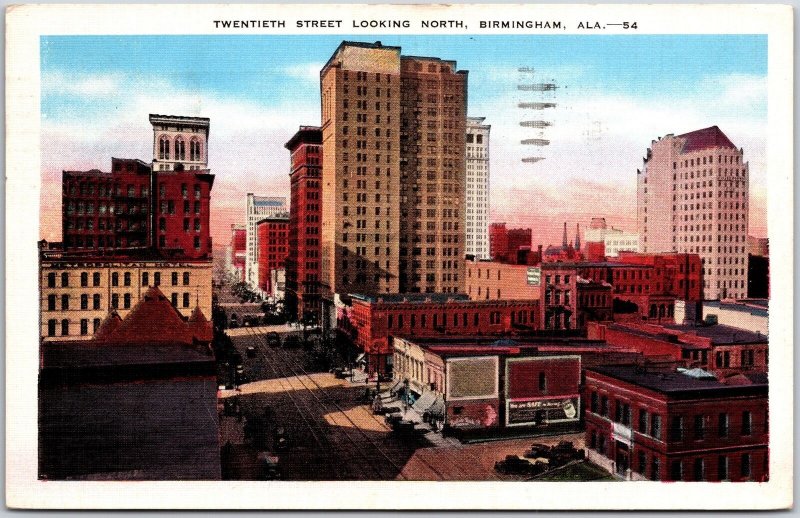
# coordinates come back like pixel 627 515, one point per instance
pixel 564 239
pixel 578 237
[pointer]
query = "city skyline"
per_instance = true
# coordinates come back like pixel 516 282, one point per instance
pixel 589 168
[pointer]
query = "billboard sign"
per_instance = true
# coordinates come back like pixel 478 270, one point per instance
pixel 472 378
pixel 543 411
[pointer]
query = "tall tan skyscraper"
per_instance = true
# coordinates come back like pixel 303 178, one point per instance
pixel 692 197
pixel 393 131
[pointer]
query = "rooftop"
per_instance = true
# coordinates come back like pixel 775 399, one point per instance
pixel 756 307
pixel 668 382
pixel 718 334
pixel 707 138
pixel 414 298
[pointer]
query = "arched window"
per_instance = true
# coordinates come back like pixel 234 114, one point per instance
pixel 180 149
pixel 163 147
pixel 194 150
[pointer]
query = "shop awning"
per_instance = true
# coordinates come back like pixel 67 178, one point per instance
pixel 437 408
pixel 425 400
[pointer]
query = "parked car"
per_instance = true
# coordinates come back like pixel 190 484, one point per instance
pixel 538 450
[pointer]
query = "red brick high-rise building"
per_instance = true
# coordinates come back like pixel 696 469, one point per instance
pixel 305 216
pixel 273 242
pixel 238 249
pixel 135 206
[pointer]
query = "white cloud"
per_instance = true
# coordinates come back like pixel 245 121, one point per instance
pixel 304 71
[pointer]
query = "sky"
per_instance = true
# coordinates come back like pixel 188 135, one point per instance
pixel 615 95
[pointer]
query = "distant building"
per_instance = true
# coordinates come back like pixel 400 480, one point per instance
pixel 137 402
pixel 648 424
pixel 78 291
pixel 568 251
pixel 477 188
pixel 303 263
pixel 238 250
pixel 501 281
pixel 256 209
pixel 758 246
pixel 693 197
pixel 273 248
pixel 180 142
pixel 505 243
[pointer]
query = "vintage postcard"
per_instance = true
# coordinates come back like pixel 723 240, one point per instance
pixel 399 256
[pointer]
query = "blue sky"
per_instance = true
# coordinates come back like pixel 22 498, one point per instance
pixel 616 94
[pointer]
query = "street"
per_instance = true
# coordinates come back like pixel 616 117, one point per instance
pixel 328 433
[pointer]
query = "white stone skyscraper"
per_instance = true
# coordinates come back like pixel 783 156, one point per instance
pixel 692 197
pixel 477 188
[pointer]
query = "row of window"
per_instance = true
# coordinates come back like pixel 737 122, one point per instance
pixel 115 279
pixel 165 148
pixel 650 423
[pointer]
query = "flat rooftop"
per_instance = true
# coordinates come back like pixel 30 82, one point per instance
pixel 719 334
pixel 414 298
pixel 673 382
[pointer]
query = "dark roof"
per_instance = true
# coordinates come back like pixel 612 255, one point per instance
pixel 721 334
pixel 305 135
pixel 707 138
pixel 109 325
pixel 666 382
pixel 201 328
pixel 755 308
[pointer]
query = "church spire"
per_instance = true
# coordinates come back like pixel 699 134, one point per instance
pixel 564 239
pixel 578 237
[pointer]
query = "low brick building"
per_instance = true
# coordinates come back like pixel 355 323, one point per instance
pixel 720 349
pixel 482 383
pixel 273 249
pixel 373 319
pixel 644 424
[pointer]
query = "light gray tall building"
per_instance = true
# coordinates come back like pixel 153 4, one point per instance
pixel 258 208
pixel 692 197
pixel 477 188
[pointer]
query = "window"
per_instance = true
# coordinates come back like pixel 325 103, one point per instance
pixel 723 425
pixel 127 301
pixel 194 150
pixel 643 421
pixel 65 301
pixel 594 402
pixel 84 279
pixel 115 300
pixel 174 278
pixel 51 280
pixel 95 325
pixel 84 301
pixel 115 279
pixel 127 279
pixel 601 444
pixel 84 326
pixel 96 279
pixel 51 302
pixel 157 279
pixel 145 278
pixel 699 427
pixel 65 327
pixel 699 470
pixel 746 465
pixel 64 280
pixel 180 149
pixel 747 423
pixel 676 470
pixel 51 327
pixel 197 243
pixel 604 406
pixel 163 148
pixel 96 301
pixel 655 469
pixel 676 429
pixel 655 429
pixel 185 278
pixel 185 300
pixel 542 383
pixel 642 465
pixel 175 299
pixel 722 468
